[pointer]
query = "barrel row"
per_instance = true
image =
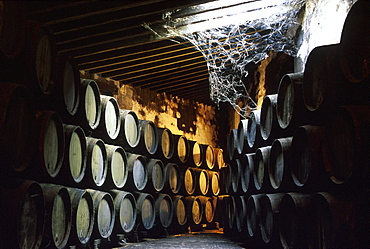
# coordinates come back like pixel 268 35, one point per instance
pixel 61 216
pixel 296 220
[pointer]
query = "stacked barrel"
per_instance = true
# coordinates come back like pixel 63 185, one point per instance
pixel 77 171
pixel 300 165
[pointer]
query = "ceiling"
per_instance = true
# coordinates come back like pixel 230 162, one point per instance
pixel 108 38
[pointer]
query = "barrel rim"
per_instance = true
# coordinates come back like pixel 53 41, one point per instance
pixel 150 165
pixel 104 101
pixel 119 196
pixel 73 63
pixel 167 169
pixel 92 83
pixel 111 149
pixel 123 114
pixel 90 147
pixel 141 198
pixel 157 204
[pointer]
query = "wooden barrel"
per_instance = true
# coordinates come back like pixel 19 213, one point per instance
pixel 241 214
pixel 145 209
pixel 89 107
pixel 182 149
pixel 253 129
pixel 306 167
pixel 125 210
pixel 156 176
pixel 104 212
pixel 172 178
pixel 137 172
pixel 164 211
pixel 354 43
pixel 189 181
pixel 96 164
pixel 179 213
pixel 110 121
pixel 227 213
pixel 22 212
pixel 279 166
pixel 232 145
pixel 166 146
pixel 194 209
pixel 242 136
pixel 345 147
pixel 129 136
pixel 220 161
pixel 45 59
pixel 214 179
pixel 325 85
pixel 269 211
pixel 197 155
pixel 209 209
pixel 70 81
pixel 330 222
pixel 253 216
pixel 268 119
pixel 17 127
pixel 202 181
pixel 13 19
pixel 58 215
pixel 260 171
pixel 117 167
pixel 226 179
pixel 247 172
pixel 236 172
pixel 290 108
pixel 82 216
pixel 292 220
pixel 74 165
pixel 51 142
pixel 209 159
pixel 148 143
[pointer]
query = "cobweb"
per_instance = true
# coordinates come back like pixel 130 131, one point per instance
pixel 228 49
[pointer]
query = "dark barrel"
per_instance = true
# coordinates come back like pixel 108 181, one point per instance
pixel 22 212
pixel 17 127
pixel 253 216
pixel 166 144
pixel 241 214
pixel 156 175
pixel 346 145
pixel 110 121
pixel 269 211
pixel 253 130
pixel 324 84
pixel 145 209
pixel 125 210
pixel 104 213
pixel 117 166
pixel 330 222
pixel 268 122
pixel 232 145
pixel 96 166
pixel 226 179
pixel 260 171
pixel 129 135
pixel 354 43
pixel 306 168
pixel 236 172
pixel 227 212
pixel 58 215
pixel 247 172
pixel 242 136
pixel 74 165
pixel 292 220
pixel 172 178
pixel 280 163
pixel 137 172
pixel 51 142
pixel 290 108
pixel 164 211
